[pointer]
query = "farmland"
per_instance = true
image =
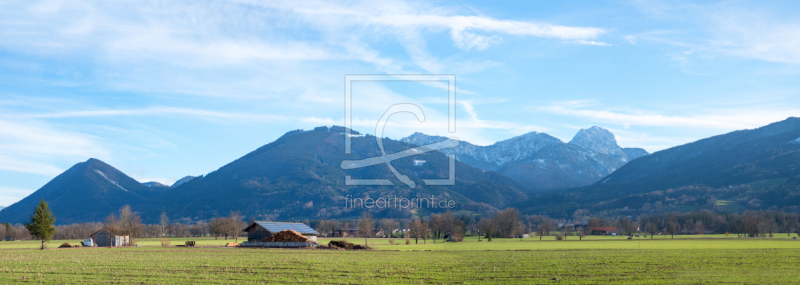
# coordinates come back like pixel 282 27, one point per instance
pixel 685 259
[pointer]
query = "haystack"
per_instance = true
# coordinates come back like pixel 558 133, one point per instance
pixel 345 245
pixel 286 236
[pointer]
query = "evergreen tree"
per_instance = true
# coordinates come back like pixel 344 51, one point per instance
pixel 41 223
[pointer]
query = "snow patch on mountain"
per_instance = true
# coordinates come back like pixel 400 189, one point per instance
pixel 109 180
pixel 539 160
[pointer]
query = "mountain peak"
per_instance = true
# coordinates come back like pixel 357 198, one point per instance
pixel 182 181
pixel 598 139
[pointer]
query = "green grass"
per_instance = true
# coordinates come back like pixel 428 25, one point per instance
pixel 32 244
pixel 689 242
pixel 595 260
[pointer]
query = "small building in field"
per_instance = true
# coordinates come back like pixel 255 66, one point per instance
pixel 106 237
pixel 522 236
pixel 257 231
pixel 603 230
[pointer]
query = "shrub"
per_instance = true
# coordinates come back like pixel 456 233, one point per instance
pixel 408 240
pixel 559 236
pixel 164 242
pixel 391 241
pixel 456 238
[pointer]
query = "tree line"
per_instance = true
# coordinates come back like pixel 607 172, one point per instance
pixel 506 223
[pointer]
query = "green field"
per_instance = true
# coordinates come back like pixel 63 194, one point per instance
pixel 683 260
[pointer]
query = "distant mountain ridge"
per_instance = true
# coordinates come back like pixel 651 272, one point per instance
pixel 541 161
pixel 296 176
pixel 181 181
pixel 765 160
pixel 88 191
pixel 154 184
pixel 299 175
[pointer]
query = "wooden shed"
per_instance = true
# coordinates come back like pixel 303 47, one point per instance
pixel 257 231
pixel 603 230
pixel 105 237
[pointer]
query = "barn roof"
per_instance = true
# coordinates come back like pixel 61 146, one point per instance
pixel 603 229
pixel 277 227
pixel 103 229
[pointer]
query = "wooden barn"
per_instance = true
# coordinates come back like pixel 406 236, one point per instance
pixel 257 231
pixel 105 237
pixel 604 230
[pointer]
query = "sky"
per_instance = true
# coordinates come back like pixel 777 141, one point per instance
pixel 165 89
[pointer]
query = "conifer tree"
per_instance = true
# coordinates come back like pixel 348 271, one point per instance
pixel 41 223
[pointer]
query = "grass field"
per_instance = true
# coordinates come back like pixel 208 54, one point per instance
pixel 683 260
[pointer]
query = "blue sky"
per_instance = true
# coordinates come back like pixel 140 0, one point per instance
pixel 164 89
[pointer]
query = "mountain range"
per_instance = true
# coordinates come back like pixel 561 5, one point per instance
pixel 299 176
pixel 541 161
pixel 747 169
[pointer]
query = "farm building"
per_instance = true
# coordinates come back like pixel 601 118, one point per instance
pixel 258 231
pixel 603 230
pixel 105 237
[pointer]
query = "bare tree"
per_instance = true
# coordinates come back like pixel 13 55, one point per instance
pixel 164 221
pixel 581 233
pixel 486 226
pixel 672 228
pixel 419 229
pixel 567 231
pixel 233 225
pixel 365 225
pixel 387 226
pixel 542 229
pixel 699 228
pixel 506 221
pixel 627 225
pixel 651 228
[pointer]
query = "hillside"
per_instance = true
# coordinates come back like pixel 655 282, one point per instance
pixel 539 161
pixel 299 176
pixel 730 170
pixel 88 191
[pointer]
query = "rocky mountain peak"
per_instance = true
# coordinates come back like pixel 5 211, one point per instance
pixel 597 139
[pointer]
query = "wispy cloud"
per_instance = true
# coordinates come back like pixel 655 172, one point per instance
pixel 171 32
pixel 594 43
pixel 33 147
pixel 728 29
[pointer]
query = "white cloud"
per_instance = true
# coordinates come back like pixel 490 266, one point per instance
pixel 594 43
pixel 33 147
pixel 728 29
pixel 233 32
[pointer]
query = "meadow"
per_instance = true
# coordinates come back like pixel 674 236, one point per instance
pixel 683 260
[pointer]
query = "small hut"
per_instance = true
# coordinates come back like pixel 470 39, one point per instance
pixel 106 237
